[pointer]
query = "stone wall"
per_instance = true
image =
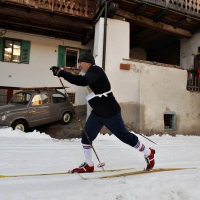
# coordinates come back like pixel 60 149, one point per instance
pixel 3 97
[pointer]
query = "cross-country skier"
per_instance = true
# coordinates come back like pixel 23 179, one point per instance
pixel 105 110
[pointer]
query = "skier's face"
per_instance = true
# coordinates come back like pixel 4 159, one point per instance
pixel 84 66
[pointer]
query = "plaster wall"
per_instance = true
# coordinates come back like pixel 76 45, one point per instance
pixel 146 91
pixel 117 48
pixel 43 55
pixel 164 89
pixel 98 42
pixel 189 49
pixel 152 90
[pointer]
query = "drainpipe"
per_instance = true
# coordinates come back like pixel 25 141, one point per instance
pixel 104 35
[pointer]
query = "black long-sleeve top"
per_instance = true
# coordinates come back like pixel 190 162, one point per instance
pixel 97 80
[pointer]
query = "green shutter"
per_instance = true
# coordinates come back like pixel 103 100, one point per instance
pixel 25 51
pixel 1 48
pixel 61 56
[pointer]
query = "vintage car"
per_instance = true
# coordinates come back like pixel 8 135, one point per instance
pixel 31 108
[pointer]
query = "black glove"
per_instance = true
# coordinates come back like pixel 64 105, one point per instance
pixel 55 70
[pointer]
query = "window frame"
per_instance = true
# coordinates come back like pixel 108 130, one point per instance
pixel 173 114
pixel 38 99
pixel 61 61
pixel 55 98
pixel 25 49
pixel 78 53
pixel 12 53
pixel 19 96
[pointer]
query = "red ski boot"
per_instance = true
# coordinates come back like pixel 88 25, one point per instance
pixel 83 168
pixel 150 160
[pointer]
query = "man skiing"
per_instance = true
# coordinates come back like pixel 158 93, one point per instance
pixel 105 110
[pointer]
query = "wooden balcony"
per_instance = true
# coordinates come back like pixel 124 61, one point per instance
pixel 152 22
pixel 191 7
pixel 68 19
pixel 82 8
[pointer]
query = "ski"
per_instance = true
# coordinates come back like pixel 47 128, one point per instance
pixel 60 173
pixel 134 173
pixel 111 173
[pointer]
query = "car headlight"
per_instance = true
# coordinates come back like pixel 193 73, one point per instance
pixel 3 118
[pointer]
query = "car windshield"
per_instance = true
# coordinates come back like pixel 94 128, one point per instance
pixel 20 98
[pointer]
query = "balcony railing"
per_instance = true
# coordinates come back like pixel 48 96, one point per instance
pixel 87 8
pixel 191 7
pixel 193 81
pixel 83 8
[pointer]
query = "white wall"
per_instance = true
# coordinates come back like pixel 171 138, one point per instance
pixel 43 55
pixel 189 49
pixel 98 42
pixel 164 89
pixel 146 91
pixel 117 48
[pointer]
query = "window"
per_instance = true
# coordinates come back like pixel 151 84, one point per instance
pixel 72 97
pixel 14 50
pixel 71 58
pixel 169 120
pixel 68 56
pixel 193 79
pixel 20 98
pixel 41 99
pixel 58 98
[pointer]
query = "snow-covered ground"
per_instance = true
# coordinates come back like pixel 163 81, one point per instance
pixel 33 153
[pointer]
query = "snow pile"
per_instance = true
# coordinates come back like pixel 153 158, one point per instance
pixel 9 132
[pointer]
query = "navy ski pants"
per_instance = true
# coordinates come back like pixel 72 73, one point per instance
pixel 114 124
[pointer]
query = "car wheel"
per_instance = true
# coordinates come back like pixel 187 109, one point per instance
pixel 20 125
pixel 66 118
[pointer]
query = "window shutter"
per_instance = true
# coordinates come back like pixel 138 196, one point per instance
pixel 1 48
pixel 61 56
pixel 25 51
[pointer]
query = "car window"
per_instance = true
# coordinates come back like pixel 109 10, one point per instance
pixel 58 98
pixel 20 98
pixel 41 99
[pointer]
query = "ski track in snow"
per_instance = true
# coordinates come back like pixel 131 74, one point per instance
pixel 34 153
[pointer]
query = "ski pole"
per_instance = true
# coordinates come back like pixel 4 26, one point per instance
pixel 66 94
pixel 142 136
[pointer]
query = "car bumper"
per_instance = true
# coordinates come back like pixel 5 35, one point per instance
pixel 4 123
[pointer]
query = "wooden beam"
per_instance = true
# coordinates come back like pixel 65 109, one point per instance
pixel 56 29
pixel 160 15
pixel 141 7
pixel 159 26
pixel 44 17
pixel 89 35
pixel 177 24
